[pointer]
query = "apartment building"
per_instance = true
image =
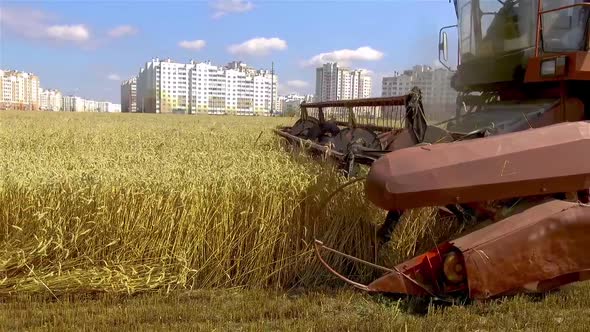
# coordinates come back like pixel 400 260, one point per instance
pixel 438 96
pixel 19 90
pixel 78 104
pixel 114 108
pixel 129 95
pixel 43 99
pixel 102 106
pixel 50 100
pixel 339 83
pixel 108 107
pixel 73 104
pixel 90 105
pixel 200 87
pixel 291 102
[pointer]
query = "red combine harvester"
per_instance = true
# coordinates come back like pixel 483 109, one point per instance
pixel 516 153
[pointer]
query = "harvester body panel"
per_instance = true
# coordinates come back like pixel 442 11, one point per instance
pixel 534 251
pixel 532 162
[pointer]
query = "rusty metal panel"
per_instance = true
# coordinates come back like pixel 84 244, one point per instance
pixel 578 68
pixel 396 283
pixel 532 162
pixel 541 243
pixel 381 101
pixel 533 251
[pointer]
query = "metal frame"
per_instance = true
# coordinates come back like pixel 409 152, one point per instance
pixel 540 14
pixel 319 245
pixel 440 32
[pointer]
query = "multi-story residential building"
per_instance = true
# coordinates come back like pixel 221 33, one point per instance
pixel 50 100
pixel 292 101
pixel 240 66
pixel 91 105
pixel 107 107
pixel 19 90
pixel 339 83
pixel 73 104
pixel 200 87
pixel 437 93
pixel 280 104
pixel 43 99
pixel 102 106
pixel 129 95
pixel 78 104
pixel 114 108
pixel 365 86
pixel 263 100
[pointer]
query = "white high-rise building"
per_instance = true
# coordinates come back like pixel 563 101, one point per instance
pixel 338 83
pixel 200 87
pixel 90 105
pixel 73 104
pixel 129 95
pixel 78 104
pixel 114 108
pixel 366 86
pixel 50 100
pixel 102 106
pixel 435 84
pixel 292 101
pixel 43 99
pixel 19 90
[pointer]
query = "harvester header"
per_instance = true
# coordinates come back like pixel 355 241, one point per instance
pixel 514 156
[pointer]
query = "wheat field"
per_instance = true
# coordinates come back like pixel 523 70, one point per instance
pixel 185 209
pixel 129 203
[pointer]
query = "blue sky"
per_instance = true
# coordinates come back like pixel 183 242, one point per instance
pixel 87 47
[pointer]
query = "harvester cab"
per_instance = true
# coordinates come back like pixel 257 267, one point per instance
pixel 514 154
pixel 518 52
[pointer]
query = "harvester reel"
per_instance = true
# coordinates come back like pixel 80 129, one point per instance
pixel 349 139
pixel 436 134
pixel 360 136
pixel 308 128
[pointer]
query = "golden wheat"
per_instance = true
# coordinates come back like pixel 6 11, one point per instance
pixel 138 202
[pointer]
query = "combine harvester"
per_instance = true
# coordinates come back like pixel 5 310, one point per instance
pixel 517 153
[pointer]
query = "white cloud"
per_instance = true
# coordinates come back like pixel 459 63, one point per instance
pixel 114 77
pixel 345 56
pixel 224 7
pixel 122 31
pixel 259 46
pixel 25 22
pixel 192 44
pixel 68 32
pixel 297 84
pixel 35 24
